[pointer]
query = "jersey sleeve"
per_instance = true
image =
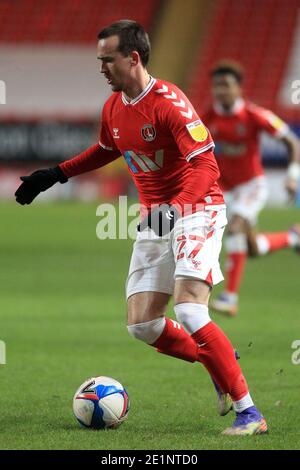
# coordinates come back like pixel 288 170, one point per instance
pixel 91 159
pixel 189 132
pixel 106 140
pixel 268 121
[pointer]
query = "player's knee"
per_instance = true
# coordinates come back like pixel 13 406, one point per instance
pixel 146 306
pixel 192 316
pixel 149 331
pixel 237 225
pixel 191 290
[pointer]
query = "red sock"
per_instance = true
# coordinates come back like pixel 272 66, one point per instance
pixel 217 355
pixel 234 271
pixel 175 341
pixel 210 346
pixel 274 241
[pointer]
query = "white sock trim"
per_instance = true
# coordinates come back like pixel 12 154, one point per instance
pixel 243 403
pixel 236 243
pixel 263 245
pixel 192 316
pixel 148 331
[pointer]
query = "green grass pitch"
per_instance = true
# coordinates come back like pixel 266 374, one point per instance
pixel 62 314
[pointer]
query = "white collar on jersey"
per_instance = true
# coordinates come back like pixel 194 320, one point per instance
pixel 235 109
pixel 141 95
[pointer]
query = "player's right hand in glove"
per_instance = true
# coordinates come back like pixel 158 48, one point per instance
pixel 161 220
pixel 38 181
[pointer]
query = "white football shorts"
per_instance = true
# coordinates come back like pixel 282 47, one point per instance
pixel 247 199
pixel 191 250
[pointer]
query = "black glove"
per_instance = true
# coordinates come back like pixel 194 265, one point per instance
pixel 38 181
pixel 161 219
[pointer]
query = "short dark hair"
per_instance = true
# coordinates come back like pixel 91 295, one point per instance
pixel 228 67
pixel 132 37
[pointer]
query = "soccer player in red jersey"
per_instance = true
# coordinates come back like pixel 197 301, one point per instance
pixel 169 153
pixel 236 125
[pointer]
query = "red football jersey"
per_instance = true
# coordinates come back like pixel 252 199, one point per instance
pixel 236 137
pixel 158 133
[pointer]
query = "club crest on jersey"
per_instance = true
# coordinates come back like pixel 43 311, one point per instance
pixel 197 130
pixel 148 132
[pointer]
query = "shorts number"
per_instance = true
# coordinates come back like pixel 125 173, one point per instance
pixel 183 239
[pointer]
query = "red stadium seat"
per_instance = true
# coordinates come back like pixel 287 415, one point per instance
pixel 70 21
pixel 256 33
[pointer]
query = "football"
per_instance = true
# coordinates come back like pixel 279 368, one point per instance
pixel 101 403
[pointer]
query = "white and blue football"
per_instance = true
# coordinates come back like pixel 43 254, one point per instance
pixel 100 403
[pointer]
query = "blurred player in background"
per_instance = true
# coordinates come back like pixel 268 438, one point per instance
pixel 169 153
pixel 236 126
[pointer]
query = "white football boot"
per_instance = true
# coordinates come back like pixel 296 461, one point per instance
pixel 226 303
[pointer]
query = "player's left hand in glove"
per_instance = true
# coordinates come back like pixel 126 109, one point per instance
pixel 161 219
pixel 38 181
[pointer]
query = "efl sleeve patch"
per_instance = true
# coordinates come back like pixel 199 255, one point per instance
pixel 276 122
pixel 197 130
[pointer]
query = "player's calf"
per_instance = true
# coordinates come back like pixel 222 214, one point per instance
pixel 170 338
